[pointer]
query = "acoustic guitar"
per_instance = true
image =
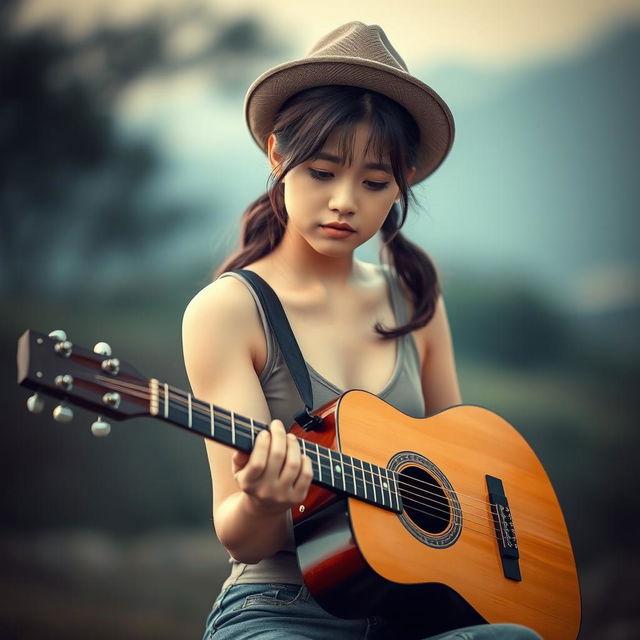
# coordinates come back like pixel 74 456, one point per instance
pixel 435 522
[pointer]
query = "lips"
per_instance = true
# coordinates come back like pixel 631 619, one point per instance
pixel 339 225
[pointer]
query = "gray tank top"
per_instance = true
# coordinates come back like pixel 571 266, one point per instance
pixel 403 391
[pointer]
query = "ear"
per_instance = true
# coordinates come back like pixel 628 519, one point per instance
pixel 275 159
pixel 410 174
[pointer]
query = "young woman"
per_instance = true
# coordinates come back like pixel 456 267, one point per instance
pixel 346 131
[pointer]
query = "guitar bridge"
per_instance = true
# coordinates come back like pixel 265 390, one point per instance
pixel 505 529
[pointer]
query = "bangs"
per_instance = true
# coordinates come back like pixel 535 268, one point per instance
pixel 309 120
pixel 378 143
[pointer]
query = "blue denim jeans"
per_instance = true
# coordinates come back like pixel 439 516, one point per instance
pixel 287 611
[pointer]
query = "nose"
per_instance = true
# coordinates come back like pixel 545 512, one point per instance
pixel 343 198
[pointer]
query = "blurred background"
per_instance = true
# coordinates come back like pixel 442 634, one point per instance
pixel 125 167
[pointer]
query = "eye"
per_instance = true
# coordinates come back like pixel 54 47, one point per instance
pixel 320 175
pixel 377 186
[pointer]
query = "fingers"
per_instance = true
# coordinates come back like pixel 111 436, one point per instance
pixel 254 467
pixel 292 462
pixel 239 460
pixel 276 473
pixel 278 451
pixel 303 481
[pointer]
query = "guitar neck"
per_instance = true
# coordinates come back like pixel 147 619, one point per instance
pixel 332 469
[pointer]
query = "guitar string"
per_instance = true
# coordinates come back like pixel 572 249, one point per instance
pixel 179 393
pixel 239 422
pixel 466 520
pixel 403 494
pixel 203 410
pixel 466 516
pixel 144 394
pixel 464 525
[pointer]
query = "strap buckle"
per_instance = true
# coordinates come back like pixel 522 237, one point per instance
pixel 308 421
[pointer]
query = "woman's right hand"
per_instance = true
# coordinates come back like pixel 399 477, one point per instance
pixel 275 476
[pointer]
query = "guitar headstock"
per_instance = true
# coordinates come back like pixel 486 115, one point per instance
pixel 92 379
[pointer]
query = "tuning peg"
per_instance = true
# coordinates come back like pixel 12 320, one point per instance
pixel 102 348
pixel 35 403
pixel 58 334
pixel 100 428
pixel 112 366
pixel 62 413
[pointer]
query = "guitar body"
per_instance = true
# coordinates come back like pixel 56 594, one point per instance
pixel 438 565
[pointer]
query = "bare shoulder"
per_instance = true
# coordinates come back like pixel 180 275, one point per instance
pixel 223 298
pixel 221 319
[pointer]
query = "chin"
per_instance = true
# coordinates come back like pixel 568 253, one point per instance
pixel 335 249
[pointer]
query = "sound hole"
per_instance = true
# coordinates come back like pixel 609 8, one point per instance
pixel 424 500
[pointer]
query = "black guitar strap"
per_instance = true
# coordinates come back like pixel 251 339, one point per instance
pixel 281 329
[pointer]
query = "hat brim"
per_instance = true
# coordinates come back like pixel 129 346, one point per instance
pixel 433 117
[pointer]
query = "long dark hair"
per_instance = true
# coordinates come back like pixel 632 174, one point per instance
pixel 302 127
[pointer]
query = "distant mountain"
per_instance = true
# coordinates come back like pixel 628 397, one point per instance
pixel 543 175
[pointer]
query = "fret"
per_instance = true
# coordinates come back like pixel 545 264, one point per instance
pixel 190 412
pixel 396 493
pixel 340 469
pixel 244 435
pixel 233 428
pixel 364 482
pixel 319 461
pixel 333 480
pixel 212 418
pixel 316 465
pixel 223 427
pixel 373 484
pixel 253 433
pixel 166 400
pixel 348 475
pixel 393 498
pixel 383 487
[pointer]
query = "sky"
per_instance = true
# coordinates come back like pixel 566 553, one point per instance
pixel 481 32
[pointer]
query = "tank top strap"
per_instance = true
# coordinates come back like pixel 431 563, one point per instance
pixel 398 301
pixel 407 343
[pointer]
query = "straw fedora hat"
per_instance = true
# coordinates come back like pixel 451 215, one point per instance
pixel 359 55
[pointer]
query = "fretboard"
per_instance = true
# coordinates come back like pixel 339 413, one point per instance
pixel 331 469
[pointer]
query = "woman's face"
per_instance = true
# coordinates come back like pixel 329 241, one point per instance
pixel 335 207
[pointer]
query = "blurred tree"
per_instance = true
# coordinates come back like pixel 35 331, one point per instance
pixel 73 191
pixel 509 321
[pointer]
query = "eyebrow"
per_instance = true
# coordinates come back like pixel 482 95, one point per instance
pixel 323 155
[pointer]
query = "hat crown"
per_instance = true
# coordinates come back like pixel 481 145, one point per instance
pixel 358 55
pixel 361 42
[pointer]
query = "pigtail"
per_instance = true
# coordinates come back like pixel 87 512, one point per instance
pixel 263 225
pixel 416 272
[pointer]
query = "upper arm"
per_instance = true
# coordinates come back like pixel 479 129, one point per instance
pixel 440 385
pixel 219 325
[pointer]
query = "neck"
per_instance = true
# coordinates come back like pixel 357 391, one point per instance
pixel 300 263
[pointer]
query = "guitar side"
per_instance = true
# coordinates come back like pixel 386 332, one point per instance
pixel 356 557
